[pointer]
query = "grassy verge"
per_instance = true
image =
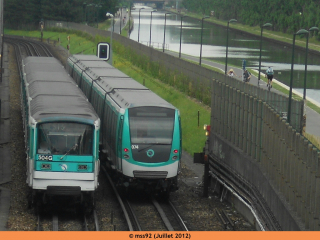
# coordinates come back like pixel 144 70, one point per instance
pixel 79 42
pixel 193 136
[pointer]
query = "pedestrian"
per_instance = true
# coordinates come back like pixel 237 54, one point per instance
pixel 269 75
pixel 231 73
pixel 246 76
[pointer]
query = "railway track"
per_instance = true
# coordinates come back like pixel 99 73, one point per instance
pixel 182 198
pixel 31 47
pixel 26 47
pixel 145 213
pixel 66 221
pixel 59 220
pixel 225 220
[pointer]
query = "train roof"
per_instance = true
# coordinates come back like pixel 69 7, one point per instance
pixel 95 64
pixel 125 91
pixel 56 77
pixel 54 95
pixel 128 98
pixel 82 57
pixel 111 83
pixel 95 73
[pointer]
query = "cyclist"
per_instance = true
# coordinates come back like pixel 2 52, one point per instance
pixel 269 75
pixel 246 76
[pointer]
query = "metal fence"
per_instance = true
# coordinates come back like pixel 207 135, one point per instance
pixel 288 159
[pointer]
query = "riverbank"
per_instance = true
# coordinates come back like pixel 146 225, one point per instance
pixel 274 36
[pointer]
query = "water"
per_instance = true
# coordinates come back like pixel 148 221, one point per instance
pixel 241 46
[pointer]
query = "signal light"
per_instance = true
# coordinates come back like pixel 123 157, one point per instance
pixel 207 128
pixel 103 51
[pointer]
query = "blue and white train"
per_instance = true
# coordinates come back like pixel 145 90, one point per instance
pixel 61 132
pixel 140 132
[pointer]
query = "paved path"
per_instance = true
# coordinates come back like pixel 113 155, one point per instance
pixel 118 21
pixel 313 118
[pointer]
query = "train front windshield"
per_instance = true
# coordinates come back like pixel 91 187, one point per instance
pixel 151 125
pixel 61 138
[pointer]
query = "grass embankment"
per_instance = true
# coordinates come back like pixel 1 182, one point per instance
pixel 193 137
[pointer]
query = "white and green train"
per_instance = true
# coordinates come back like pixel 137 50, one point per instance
pixel 61 132
pixel 140 132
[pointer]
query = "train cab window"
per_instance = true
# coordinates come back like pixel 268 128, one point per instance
pixel 61 138
pixel 151 125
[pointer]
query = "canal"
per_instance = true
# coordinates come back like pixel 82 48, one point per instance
pixel 241 46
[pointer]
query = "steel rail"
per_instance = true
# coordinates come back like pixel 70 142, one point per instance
pixel 125 212
pixel 181 222
pixel 162 215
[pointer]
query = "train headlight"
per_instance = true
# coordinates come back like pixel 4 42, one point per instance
pixel 175 157
pixel 126 156
pixel 126 150
pixel 82 167
pixel 46 166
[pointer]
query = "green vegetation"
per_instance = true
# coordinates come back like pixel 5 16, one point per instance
pixel 17 14
pixel 286 16
pixel 193 136
pixel 272 33
pixel 178 86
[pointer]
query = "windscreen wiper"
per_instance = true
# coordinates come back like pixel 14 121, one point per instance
pixel 73 148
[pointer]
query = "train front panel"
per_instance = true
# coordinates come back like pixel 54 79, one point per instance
pixel 64 157
pixel 151 146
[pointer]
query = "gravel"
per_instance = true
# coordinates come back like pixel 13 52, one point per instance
pixel 198 212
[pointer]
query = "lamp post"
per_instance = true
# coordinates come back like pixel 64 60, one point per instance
pixel 164 30
pixel 84 11
pixel 97 12
pixel 230 21
pixel 139 24
pixel 110 15
pixel 181 35
pixel 120 18
pixel 201 38
pixel 306 62
pixel 300 32
pixel 88 5
pixel 150 27
pixel 112 23
pixel 129 19
pixel 263 26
